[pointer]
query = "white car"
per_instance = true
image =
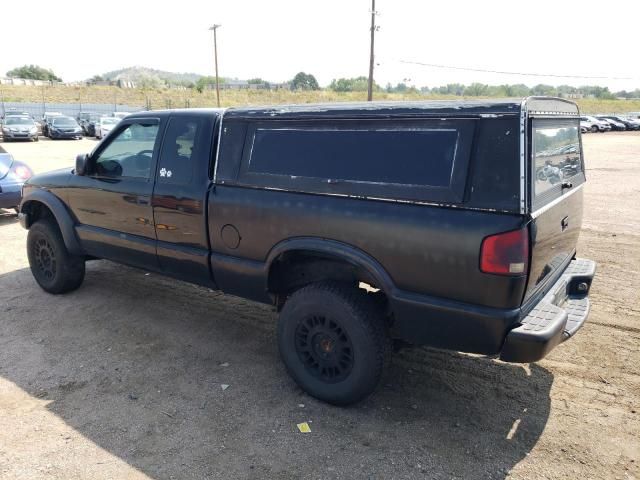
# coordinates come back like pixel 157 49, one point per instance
pixel 104 125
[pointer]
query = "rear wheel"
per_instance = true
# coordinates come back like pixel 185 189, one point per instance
pixel 332 339
pixel 54 268
pixel 594 128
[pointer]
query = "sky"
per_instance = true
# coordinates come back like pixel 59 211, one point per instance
pixel 275 39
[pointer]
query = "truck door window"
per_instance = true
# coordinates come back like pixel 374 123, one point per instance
pixel 178 150
pixel 129 153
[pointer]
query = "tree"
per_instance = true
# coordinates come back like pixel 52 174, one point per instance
pixel 357 84
pixel 542 89
pixel 207 82
pixel 477 90
pixel 304 81
pixel 96 78
pixel 33 72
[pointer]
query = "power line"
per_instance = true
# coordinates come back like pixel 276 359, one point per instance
pixel 524 74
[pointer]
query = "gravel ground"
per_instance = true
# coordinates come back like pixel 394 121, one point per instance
pixel 123 378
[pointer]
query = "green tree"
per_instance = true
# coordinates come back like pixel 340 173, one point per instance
pixel 207 82
pixel 33 72
pixel 304 81
pixel 357 84
pixel 518 90
pixel 477 90
pixel 542 89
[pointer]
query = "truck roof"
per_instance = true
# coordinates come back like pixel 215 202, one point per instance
pixel 479 108
pixel 487 107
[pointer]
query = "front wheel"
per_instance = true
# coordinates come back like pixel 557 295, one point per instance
pixel 54 268
pixel 333 340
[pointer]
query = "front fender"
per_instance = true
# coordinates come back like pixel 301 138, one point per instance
pixel 58 210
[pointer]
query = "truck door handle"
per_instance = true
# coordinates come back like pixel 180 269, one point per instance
pixel 565 223
pixel 567 185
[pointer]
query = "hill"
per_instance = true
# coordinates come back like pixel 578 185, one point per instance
pixel 149 77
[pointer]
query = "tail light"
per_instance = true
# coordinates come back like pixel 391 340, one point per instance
pixel 505 253
pixel 23 172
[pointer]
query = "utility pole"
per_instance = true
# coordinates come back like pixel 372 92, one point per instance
pixel 215 56
pixel 44 105
pixel 373 32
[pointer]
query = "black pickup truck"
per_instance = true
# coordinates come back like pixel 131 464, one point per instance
pixel 452 224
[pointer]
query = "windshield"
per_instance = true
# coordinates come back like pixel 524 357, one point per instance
pixel 556 151
pixel 64 122
pixel 18 121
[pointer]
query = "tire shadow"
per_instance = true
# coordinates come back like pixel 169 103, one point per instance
pixel 136 363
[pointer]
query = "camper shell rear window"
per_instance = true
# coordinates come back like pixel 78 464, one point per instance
pixel 556 158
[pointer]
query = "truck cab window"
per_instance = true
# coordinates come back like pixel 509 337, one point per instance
pixel 129 152
pixel 179 150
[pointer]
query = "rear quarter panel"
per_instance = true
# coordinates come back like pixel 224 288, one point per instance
pixel 427 249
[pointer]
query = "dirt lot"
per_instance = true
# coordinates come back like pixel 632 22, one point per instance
pixel 122 378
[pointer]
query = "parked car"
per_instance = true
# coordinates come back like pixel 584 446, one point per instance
pixel 627 122
pixel 104 125
pixel 466 240
pixel 597 125
pixel 119 115
pixel 47 117
pixel 83 118
pixel 64 127
pixel 587 125
pixel 89 126
pixel 13 174
pixel 19 128
pixel 615 124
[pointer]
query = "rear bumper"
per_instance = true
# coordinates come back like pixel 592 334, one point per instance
pixel 513 334
pixel 556 318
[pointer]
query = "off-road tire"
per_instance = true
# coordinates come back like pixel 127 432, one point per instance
pixel 54 268
pixel 336 318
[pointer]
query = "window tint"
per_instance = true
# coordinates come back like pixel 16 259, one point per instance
pixel 178 149
pixel 419 156
pixel 556 154
pixel 129 152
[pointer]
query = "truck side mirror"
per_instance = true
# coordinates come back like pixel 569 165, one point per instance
pixel 82 164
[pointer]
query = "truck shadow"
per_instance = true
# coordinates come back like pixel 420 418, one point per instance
pixel 136 364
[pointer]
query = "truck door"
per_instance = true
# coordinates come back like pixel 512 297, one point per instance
pixel 179 197
pixel 113 201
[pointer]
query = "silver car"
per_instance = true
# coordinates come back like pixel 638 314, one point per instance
pixel 19 128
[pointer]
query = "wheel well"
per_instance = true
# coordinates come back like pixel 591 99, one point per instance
pixel 295 269
pixel 37 211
